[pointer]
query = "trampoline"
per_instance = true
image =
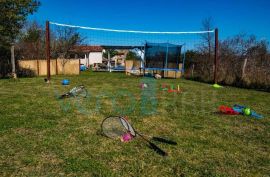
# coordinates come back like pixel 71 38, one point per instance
pixel 163 59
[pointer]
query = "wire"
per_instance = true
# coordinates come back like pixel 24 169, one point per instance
pixel 130 31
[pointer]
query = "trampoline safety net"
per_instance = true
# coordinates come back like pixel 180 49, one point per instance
pixel 162 56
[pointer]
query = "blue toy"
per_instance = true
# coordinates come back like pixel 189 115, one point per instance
pixel 65 82
pixel 241 109
pixel 83 68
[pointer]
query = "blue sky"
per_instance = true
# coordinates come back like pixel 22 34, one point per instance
pixel 230 16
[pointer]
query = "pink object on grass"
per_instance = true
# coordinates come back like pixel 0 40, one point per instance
pixel 126 137
pixel 143 85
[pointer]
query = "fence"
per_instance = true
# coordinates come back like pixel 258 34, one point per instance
pixel 133 66
pixel 57 66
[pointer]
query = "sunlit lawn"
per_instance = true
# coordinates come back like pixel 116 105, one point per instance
pixel 42 136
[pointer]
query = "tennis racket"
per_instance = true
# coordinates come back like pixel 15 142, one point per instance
pixel 116 127
pixel 79 91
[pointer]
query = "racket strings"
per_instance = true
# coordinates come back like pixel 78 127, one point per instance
pixel 118 127
pixel 113 128
pixel 81 91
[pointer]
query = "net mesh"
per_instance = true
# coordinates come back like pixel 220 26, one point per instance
pixel 162 55
pixel 111 37
pixel 163 50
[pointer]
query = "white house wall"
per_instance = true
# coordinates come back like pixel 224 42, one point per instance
pixel 95 57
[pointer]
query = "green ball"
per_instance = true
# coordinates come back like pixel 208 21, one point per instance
pixel 247 111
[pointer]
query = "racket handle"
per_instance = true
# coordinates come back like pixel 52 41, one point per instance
pixel 61 97
pixel 66 95
pixel 157 149
pixel 162 140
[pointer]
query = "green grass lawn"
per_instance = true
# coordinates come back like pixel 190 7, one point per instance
pixel 42 136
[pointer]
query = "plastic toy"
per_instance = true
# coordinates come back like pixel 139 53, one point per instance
pixel 65 82
pixel 246 111
pixel 170 89
pixel 83 68
pixel 126 137
pixel 227 110
pixel 217 86
pixel 238 109
pixel 143 85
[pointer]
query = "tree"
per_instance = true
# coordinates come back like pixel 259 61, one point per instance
pixel 245 61
pixel 208 39
pixel 207 47
pixel 13 14
pixel 30 43
pixel 132 56
pixel 112 53
pixel 63 41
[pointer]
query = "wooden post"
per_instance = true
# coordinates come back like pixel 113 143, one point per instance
pixel 144 59
pixel 109 59
pixel 216 56
pixel 79 66
pixel 38 67
pixel 56 67
pixel 14 75
pixel 244 68
pixel 37 57
pixel 48 51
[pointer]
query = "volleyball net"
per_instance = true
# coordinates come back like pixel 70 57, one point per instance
pixel 156 50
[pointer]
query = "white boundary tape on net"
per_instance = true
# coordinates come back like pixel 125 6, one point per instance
pixel 129 31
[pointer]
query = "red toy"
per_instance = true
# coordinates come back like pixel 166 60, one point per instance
pixel 227 110
pixel 170 89
pixel 174 91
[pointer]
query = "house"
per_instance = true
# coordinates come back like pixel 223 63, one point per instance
pixel 92 54
pixel 119 58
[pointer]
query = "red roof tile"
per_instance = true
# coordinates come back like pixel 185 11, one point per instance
pixel 87 49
